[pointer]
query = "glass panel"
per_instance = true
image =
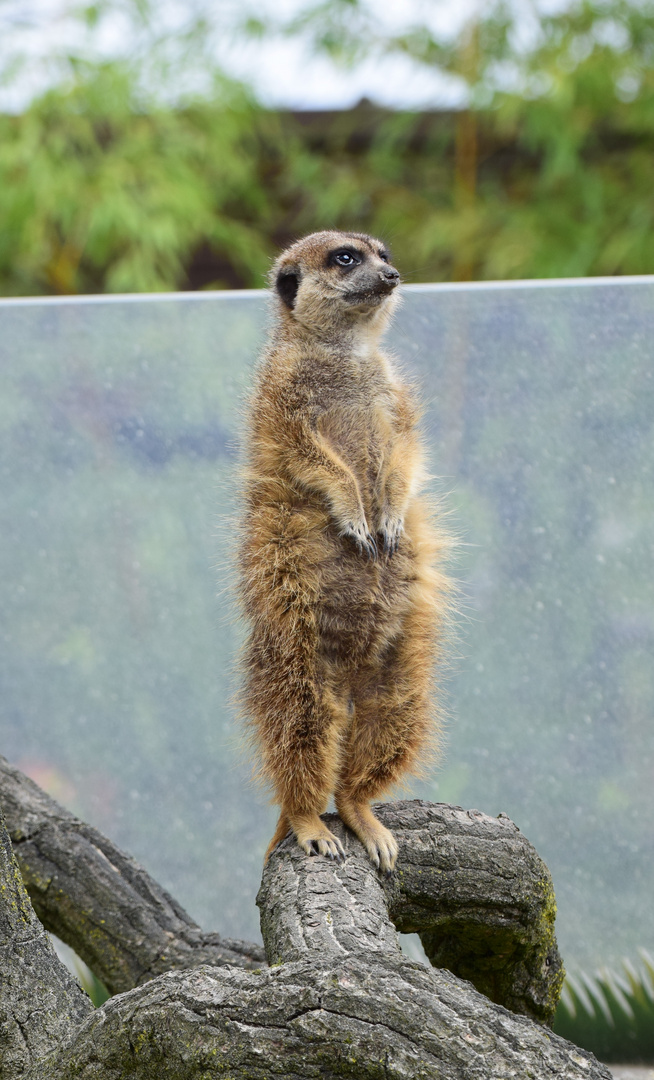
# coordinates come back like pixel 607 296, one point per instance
pixel 119 422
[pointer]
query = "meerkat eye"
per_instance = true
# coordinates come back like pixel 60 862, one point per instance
pixel 385 256
pixel 345 258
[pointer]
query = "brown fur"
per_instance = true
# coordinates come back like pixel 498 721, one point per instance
pixel 339 560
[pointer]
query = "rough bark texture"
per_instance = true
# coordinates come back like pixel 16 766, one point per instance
pixel 340 999
pixel 99 900
pixel 482 900
pixel 40 1001
pixel 387 1018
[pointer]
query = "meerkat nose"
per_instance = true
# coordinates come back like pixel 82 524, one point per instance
pixel 390 276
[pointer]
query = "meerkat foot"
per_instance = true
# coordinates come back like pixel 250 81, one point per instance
pixel 315 838
pixel 380 844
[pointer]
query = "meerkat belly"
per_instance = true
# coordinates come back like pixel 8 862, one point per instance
pixel 360 607
pixel 295 552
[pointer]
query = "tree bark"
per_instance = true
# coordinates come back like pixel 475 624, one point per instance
pixel 340 999
pixel 40 1001
pixel 385 1018
pixel 482 900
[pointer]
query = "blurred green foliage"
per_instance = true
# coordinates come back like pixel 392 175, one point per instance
pixel 109 184
pixel 89 982
pixel 96 196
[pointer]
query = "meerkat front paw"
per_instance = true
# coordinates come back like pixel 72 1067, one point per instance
pixel 364 540
pixel 390 529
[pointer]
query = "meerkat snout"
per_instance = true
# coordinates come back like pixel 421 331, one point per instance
pixel 390 275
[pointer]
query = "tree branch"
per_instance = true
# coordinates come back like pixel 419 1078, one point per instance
pixel 99 900
pixel 342 1000
pixel 472 886
pixel 387 1019
pixel 482 900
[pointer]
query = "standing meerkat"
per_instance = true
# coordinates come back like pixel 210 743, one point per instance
pixel 339 559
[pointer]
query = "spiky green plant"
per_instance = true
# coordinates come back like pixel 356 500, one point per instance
pixel 611 1012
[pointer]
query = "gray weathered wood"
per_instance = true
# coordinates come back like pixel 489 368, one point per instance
pixel 482 900
pixel 40 1001
pixel 341 1000
pixel 385 1018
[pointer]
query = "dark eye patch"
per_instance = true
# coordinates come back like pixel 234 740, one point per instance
pixel 345 258
pixel 385 255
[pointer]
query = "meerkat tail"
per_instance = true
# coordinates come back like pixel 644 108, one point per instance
pixel 282 830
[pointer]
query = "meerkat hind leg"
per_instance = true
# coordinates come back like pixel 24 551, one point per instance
pixel 282 830
pixel 392 724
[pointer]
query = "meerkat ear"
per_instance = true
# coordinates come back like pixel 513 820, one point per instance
pixel 287 285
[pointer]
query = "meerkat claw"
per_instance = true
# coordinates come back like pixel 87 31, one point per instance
pixel 339 854
pixel 388 855
pixel 390 530
pixel 365 542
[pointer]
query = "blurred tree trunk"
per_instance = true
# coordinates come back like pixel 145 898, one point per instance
pixel 339 999
pixel 466 154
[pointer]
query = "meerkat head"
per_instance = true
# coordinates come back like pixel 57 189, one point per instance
pixel 335 282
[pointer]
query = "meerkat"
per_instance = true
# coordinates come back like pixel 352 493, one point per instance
pixel 341 577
